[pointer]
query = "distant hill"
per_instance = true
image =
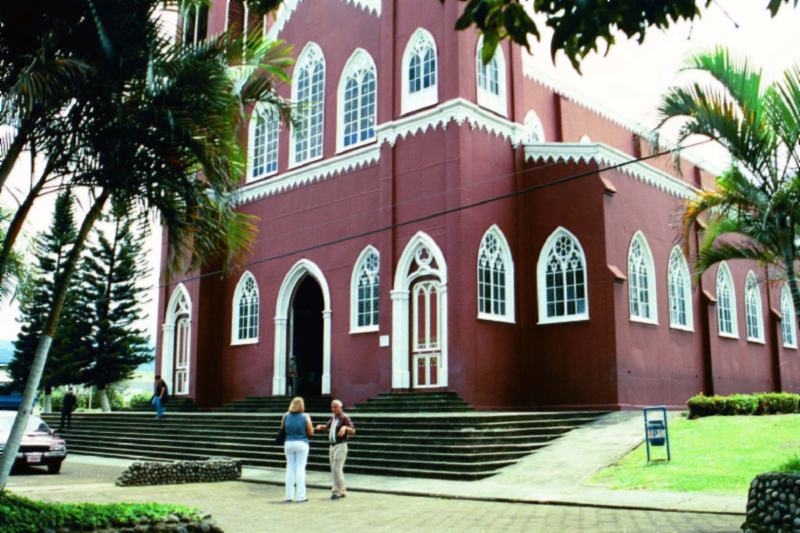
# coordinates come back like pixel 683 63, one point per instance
pixel 6 351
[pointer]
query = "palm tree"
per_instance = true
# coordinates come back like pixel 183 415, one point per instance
pixel 754 211
pixel 158 131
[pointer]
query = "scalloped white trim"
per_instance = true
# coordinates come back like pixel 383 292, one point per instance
pixel 290 6
pixel 308 174
pixel 606 155
pixel 531 72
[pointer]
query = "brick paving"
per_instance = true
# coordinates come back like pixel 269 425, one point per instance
pixel 240 507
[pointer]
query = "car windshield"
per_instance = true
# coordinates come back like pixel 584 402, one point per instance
pixel 35 425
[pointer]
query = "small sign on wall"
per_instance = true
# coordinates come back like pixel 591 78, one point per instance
pixel 383 341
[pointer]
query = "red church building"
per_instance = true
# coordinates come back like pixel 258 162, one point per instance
pixel 430 222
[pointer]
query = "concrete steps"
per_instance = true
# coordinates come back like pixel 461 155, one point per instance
pixel 273 404
pixel 405 402
pixel 444 445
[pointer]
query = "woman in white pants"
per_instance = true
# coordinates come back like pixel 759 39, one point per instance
pixel 298 428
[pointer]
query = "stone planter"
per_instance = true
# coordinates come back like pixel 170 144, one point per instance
pixel 151 473
pixel 773 503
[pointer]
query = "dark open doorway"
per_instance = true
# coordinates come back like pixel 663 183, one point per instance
pixel 305 363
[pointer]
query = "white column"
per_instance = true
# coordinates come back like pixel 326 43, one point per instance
pixel 279 357
pixel 442 374
pixel 167 345
pixel 400 353
pixel 326 351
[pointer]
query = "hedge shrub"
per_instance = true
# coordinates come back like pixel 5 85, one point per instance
pixel 21 515
pixel 766 403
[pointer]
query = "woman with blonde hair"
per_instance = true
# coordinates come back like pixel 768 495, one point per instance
pixel 298 428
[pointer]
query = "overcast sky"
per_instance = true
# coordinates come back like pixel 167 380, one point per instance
pixel 630 80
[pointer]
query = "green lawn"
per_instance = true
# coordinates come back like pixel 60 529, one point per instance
pixel 714 454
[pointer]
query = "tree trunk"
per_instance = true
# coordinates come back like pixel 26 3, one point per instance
pixel 14 149
pixel 40 356
pixel 105 406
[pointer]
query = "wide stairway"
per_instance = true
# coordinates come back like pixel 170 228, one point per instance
pixel 414 402
pixel 446 445
pixel 274 404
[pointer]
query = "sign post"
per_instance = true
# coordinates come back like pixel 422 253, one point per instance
pixel 656 430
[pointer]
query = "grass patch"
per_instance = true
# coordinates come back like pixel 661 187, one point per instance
pixel 713 454
pixel 21 515
pixel 792 465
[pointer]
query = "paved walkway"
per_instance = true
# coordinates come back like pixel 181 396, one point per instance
pixel 555 474
pixel 257 508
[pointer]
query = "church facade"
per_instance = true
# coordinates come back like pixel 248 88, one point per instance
pixel 430 222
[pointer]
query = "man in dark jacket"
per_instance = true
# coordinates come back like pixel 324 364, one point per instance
pixel 67 406
pixel 339 427
pixel 160 396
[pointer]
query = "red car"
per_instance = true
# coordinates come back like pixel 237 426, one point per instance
pixel 40 445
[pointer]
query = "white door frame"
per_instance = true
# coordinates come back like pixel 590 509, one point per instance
pixel 403 278
pixel 302 268
pixel 180 304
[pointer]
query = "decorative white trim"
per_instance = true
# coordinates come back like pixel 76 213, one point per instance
pixel 495 102
pixel 290 6
pixel 360 60
pixel 580 98
pixel 302 268
pixel 424 97
pixel 508 264
pixel 318 171
pixel 541 281
pixel 724 276
pixel 603 154
pixel 354 327
pixel 759 308
pixel 237 295
pixel 180 304
pixel 401 348
pixel 652 296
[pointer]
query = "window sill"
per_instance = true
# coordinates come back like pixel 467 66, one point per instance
pixel 344 149
pixel 421 99
pixel 678 327
pixel 563 320
pixel 496 318
pixel 790 346
pixel 364 329
pixel 733 336
pixel 647 321
pixel 756 341
pixel 293 166
pixel 244 342
pixel 493 102
pixel 253 179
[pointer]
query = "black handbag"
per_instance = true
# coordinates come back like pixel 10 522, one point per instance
pixel 280 438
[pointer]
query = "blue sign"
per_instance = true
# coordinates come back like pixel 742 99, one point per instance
pixel 656 429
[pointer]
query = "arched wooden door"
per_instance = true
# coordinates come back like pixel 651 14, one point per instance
pixel 426 346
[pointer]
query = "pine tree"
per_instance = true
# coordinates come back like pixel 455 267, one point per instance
pixel 109 276
pixel 67 357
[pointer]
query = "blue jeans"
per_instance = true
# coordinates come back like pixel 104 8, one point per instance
pixel 159 406
pixel 296 459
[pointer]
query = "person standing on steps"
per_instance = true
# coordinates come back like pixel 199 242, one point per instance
pixel 160 397
pixel 298 428
pixel 338 428
pixel 67 407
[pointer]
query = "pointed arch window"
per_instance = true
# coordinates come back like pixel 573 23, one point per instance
pixel 245 310
pixel 308 92
pixel 562 279
pixel 533 128
pixel 641 281
pixel 789 320
pixel 754 319
pixel 495 277
pixel 726 303
pixel 420 72
pixel 365 285
pixel 679 288
pixel 264 131
pixel 491 80
pixel 357 101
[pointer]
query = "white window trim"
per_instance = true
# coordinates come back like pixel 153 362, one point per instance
pixel 689 326
pixel 235 340
pixel 534 129
pixel 508 261
pixel 652 288
pixel 724 270
pixel 354 63
pixel 494 102
pixel 354 327
pixel 759 310
pixel 426 97
pixel 311 45
pixel 541 289
pixel 259 108
pixel 793 324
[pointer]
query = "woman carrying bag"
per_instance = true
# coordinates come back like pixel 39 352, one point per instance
pixel 296 428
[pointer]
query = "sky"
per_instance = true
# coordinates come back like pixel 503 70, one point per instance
pixel 629 80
